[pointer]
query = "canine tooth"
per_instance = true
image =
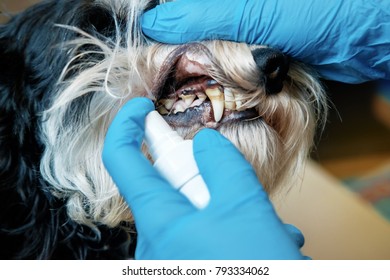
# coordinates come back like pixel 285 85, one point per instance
pixel 217 99
pixel 188 99
pixel 229 99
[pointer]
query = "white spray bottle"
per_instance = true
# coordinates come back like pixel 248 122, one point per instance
pixel 174 159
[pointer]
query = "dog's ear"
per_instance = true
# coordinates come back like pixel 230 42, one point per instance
pixel 11 62
pixel 12 71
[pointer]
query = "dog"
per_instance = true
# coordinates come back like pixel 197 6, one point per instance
pixel 67 67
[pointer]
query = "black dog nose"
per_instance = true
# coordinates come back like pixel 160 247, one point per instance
pixel 273 65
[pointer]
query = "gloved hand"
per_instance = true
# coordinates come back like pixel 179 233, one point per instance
pixel 239 222
pixel 345 40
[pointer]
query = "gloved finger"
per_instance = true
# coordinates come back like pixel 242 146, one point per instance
pixel 179 22
pixel 340 48
pixel 228 175
pixel 295 234
pixel 152 200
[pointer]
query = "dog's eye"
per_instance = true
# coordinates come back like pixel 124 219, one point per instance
pixel 273 66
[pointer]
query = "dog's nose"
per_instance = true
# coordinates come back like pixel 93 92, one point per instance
pixel 273 65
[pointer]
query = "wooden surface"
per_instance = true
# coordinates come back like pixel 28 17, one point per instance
pixel 336 223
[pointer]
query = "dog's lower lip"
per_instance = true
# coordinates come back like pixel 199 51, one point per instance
pixel 203 115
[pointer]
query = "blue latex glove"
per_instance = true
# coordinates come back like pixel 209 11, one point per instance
pixel 345 40
pixel 239 222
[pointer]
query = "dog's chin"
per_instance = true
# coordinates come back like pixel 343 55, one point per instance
pixel 187 95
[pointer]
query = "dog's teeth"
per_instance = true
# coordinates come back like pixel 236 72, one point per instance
pixel 188 98
pixel 239 100
pixel 168 103
pixel 202 97
pixel 217 99
pixel 230 102
pixel 179 107
pixel 197 102
pixel 162 110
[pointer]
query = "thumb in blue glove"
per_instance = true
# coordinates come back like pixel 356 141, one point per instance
pixel 239 222
pixel 345 40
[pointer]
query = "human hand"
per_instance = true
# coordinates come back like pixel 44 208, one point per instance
pixel 238 223
pixel 344 40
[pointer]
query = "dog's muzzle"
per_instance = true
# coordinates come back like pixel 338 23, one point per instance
pixel 186 93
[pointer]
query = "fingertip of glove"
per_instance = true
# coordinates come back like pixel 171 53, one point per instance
pixel 210 137
pixel 295 234
pixel 135 108
pixel 209 142
pixel 140 103
pixel 131 115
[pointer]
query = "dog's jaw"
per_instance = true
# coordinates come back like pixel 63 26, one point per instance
pixel 187 94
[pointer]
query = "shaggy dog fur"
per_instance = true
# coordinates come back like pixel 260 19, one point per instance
pixel 66 68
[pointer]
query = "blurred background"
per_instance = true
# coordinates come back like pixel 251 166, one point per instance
pixel 352 157
pixel 9 7
pixel 355 146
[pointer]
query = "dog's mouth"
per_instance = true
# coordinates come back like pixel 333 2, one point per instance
pixel 188 95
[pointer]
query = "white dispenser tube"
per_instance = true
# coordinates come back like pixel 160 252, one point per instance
pixel 174 159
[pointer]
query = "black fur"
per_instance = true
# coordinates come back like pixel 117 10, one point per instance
pixel 33 223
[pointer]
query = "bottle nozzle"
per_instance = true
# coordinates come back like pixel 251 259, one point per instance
pixel 159 136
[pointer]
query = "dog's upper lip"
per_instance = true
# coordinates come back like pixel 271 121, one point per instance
pixel 179 66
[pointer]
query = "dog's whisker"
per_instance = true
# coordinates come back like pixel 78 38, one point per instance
pixel 252 119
